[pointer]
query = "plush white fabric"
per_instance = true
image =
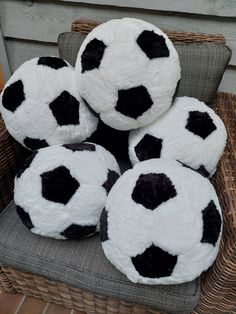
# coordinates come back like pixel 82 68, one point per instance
pixel 88 167
pixel 124 65
pixel 176 225
pixel 33 118
pixel 178 142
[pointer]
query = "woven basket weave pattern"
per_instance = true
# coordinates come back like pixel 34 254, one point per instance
pixel 71 297
pixel 85 26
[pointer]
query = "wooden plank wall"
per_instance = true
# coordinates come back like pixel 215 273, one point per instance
pixel 31 28
pixel 4 64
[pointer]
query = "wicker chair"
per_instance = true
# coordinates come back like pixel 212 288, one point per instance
pixel 218 284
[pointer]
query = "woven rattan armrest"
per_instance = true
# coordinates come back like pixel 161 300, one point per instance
pixel 85 26
pixel 11 156
pixel 219 282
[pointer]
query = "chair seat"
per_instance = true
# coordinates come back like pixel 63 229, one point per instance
pixel 82 264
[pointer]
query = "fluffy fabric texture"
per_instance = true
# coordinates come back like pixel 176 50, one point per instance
pixel 189 132
pixel 61 190
pixel 162 223
pixel 41 106
pixel 127 71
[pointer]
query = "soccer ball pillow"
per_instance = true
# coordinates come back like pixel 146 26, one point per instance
pixel 189 132
pixel 162 223
pixel 127 72
pixel 41 106
pixel 61 190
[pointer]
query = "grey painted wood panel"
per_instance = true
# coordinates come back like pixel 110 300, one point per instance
pixel 20 51
pixel 4 59
pixel 43 21
pixel 206 7
pixel 228 83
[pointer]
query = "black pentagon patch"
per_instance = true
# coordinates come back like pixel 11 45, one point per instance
pixel 13 96
pixel 52 62
pixel 34 143
pixel 26 164
pixel 112 177
pixel 153 45
pixel 115 141
pixel 58 185
pixel 65 109
pixel 80 147
pixel 104 225
pixel 152 189
pixel 154 262
pixel 149 147
pixel 92 55
pixel 25 217
pixel 78 232
pixel 200 123
pixel 133 102
pixel 202 170
pixel 211 224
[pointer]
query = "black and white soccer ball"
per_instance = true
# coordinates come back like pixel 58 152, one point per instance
pixel 41 106
pixel 162 223
pixel 189 132
pixel 61 190
pixel 127 72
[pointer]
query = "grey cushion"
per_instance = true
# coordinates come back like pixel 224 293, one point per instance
pixel 202 64
pixel 82 264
